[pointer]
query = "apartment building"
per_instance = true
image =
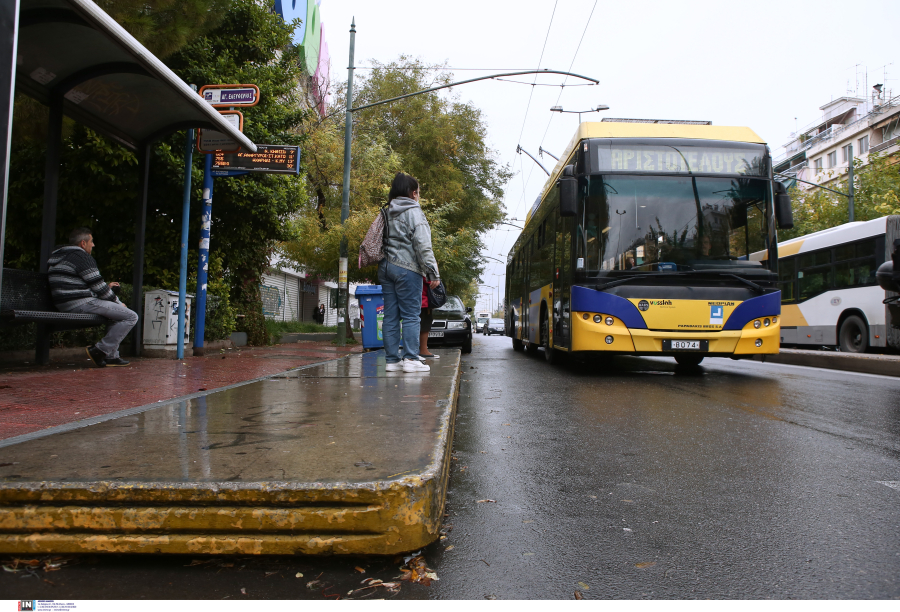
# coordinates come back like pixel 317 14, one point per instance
pixel 820 153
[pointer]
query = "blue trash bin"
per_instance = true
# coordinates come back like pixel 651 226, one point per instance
pixel 371 306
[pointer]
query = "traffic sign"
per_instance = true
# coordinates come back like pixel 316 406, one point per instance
pixel 230 95
pixel 271 159
pixel 212 141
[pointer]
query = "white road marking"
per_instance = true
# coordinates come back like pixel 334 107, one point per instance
pixel 894 484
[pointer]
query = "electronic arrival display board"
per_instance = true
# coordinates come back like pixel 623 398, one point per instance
pixel 273 159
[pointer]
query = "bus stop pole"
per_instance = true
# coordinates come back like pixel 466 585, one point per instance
pixel 203 265
pixel 343 298
pixel 185 224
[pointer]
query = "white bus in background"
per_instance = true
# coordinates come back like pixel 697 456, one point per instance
pixel 480 319
pixel 829 295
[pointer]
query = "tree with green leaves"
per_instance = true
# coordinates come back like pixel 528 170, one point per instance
pixel 877 193
pixel 244 43
pixel 439 140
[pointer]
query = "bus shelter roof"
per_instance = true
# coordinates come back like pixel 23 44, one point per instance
pixel 109 81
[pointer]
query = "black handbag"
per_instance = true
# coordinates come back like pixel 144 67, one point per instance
pixel 436 297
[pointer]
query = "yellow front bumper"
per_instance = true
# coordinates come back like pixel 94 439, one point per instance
pixel 588 335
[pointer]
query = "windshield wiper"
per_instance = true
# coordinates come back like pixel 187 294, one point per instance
pixel 622 281
pixel 750 284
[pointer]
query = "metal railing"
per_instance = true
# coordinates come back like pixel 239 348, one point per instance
pixel 885 145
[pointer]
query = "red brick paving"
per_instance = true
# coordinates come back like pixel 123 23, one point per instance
pixel 36 397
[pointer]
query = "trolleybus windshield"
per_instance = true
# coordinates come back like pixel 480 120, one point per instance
pixel 647 223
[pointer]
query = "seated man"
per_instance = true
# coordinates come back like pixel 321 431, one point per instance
pixel 76 286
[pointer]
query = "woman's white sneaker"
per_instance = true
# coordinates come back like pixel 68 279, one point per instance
pixel 414 365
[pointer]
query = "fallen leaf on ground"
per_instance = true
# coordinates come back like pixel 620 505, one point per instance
pixel 486 501
pixel 584 586
pixel 360 570
pixel 298 575
pixel 243 591
pixel 313 584
pixel 449 547
pixel 645 564
pixel 578 595
pixel 415 570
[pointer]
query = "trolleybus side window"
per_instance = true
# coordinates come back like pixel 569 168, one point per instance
pixel 856 264
pixel 787 269
pixel 815 275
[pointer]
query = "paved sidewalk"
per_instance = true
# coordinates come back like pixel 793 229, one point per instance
pixel 36 397
pixel 865 363
pixel 341 457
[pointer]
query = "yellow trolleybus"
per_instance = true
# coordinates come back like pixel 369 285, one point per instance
pixel 639 244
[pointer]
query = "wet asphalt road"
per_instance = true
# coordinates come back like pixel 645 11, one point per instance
pixel 620 479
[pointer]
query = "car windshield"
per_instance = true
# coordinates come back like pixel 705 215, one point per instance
pixel 649 223
pixel 453 304
pixel 496 321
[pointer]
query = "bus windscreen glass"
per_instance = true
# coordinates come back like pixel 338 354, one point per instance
pixel 679 157
pixel 650 223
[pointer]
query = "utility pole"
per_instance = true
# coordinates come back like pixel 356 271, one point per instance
pixel 851 205
pixel 343 288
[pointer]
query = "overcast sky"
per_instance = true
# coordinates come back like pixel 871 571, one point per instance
pixel 758 64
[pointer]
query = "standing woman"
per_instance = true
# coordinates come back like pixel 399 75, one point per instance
pixel 407 258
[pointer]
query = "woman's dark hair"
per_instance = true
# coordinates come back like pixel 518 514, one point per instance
pixel 403 186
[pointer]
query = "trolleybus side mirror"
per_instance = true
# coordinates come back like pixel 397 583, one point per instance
pixel 784 215
pixel 568 186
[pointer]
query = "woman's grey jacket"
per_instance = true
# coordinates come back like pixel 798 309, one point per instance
pixel 407 240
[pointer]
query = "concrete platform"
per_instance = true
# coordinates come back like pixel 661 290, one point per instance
pixel 338 458
pixel 865 363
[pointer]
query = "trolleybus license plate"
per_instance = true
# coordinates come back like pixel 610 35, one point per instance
pixel 685 345
pixel 435 334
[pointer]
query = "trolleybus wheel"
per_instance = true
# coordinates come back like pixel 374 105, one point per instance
pixel 517 344
pixel 551 355
pixel 854 336
pixel 688 360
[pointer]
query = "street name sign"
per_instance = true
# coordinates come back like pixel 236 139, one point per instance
pixel 230 95
pixel 271 159
pixel 212 141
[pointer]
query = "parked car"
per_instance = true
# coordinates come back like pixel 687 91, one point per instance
pixel 494 326
pixel 452 325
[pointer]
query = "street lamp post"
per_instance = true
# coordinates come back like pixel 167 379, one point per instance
pixel 599 107
pixel 348 132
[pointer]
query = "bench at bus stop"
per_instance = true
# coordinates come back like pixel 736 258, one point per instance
pixel 25 298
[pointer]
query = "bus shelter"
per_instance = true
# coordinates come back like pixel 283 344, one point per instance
pixel 74 58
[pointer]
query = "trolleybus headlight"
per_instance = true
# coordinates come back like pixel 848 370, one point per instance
pixel 758 342
pixel 609 339
pixel 597 318
pixel 766 321
pixel 774 320
pixel 609 320
pixel 585 316
pixel 756 324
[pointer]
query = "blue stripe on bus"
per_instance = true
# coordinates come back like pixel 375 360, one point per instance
pixel 590 300
pixel 761 306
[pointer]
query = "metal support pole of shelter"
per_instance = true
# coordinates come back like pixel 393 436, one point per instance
pixel 343 293
pixel 48 222
pixel 851 205
pixel 140 234
pixel 185 229
pixel 203 263
pixel 9 36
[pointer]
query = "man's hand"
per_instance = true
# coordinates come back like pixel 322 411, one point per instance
pixel 113 285
pixel 434 284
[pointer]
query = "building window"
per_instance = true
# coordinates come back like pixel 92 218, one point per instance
pixel 819 165
pixel 863 144
pixel 845 153
pixel 832 159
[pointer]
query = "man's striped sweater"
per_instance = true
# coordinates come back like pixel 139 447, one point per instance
pixel 75 279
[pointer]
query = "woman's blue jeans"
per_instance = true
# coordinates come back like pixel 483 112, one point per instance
pixel 402 291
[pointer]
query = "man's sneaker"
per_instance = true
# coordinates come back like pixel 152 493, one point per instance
pixel 97 356
pixel 117 362
pixel 432 356
pixel 393 367
pixel 414 365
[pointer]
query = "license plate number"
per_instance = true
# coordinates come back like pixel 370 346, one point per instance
pixel 685 345
pixel 435 334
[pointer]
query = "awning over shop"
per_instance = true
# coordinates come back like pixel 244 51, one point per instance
pixel 108 80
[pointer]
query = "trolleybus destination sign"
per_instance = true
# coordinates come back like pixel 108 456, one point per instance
pixel 272 159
